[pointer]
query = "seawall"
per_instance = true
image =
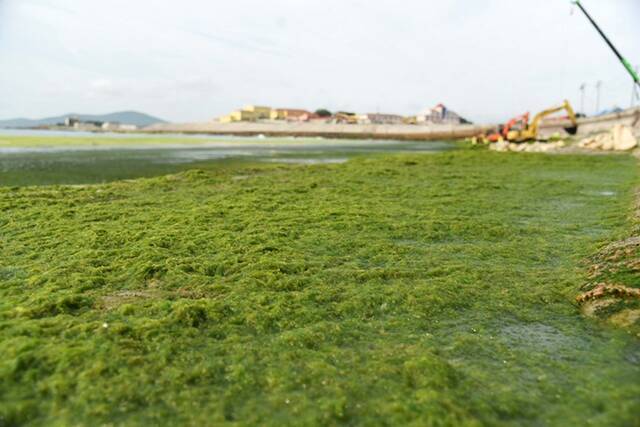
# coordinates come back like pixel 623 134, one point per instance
pixel 326 130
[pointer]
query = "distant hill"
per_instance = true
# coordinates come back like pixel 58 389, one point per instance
pixel 124 117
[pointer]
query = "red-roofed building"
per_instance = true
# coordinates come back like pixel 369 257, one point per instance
pixel 439 114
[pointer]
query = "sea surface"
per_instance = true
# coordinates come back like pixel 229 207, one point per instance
pixel 86 163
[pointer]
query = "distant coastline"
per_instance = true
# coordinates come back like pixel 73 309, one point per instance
pixel 429 132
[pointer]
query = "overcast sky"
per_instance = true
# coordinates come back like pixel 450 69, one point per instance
pixel 192 60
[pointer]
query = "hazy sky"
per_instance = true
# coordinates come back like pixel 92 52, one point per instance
pixel 192 60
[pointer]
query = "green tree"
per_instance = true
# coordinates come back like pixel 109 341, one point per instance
pixel 323 112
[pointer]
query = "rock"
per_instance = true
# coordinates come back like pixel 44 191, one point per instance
pixel 623 138
pixel 546 148
pixel 538 147
pixel 620 138
pixel 606 144
pixel 593 142
pixel 586 142
pixel 499 146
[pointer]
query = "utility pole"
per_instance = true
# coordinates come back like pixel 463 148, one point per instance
pixel 598 87
pixel 583 86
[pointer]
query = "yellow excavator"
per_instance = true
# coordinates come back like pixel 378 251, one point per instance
pixel 519 129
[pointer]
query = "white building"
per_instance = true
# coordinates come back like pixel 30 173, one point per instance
pixel 113 126
pixel 379 119
pixel 110 126
pixel 71 121
pixel 439 114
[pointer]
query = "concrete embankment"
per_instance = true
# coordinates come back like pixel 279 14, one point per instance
pixel 326 130
pixel 630 117
pixel 590 125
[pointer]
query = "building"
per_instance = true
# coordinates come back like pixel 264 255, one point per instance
pixel 306 117
pixel 226 119
pixel 320 119
pixel 258 112
pixel 439 114
pixel 380 119
pixel 239 116
pixel 249 113
pixel 116 126
pixel 88 126
pixel 288 114
pixel 110 126
pixel 71 121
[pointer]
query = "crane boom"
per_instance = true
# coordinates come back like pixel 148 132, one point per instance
pixel 627 64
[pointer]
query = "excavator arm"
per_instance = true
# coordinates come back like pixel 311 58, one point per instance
pixel 519 129
pixel 535 124
pixel 531 132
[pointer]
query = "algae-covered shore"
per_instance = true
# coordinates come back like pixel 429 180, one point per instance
pixel 389 290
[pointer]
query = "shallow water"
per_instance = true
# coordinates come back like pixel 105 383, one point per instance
pixel 80 134
pixel 83 163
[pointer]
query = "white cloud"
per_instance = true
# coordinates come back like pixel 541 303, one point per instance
pixel 196 59
pixel 104 87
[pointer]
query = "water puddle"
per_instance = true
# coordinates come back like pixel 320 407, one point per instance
pixel 307 161
pixel 602 193
pixel 538 337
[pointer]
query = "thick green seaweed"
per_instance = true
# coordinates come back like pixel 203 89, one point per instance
pixel 410 289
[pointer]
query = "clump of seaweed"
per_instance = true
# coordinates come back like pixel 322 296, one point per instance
pixel 602 290
pixel 614 276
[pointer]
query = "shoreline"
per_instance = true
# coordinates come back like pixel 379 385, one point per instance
pixel 329 131
pixel 399 132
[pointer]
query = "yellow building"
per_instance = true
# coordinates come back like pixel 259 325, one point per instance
pixel 239 116
pixel 225 119
pixel 277 114
pixel 259 112
pixel 288 113
pixel 248 114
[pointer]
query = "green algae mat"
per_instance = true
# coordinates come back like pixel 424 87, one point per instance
pixel 394 290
